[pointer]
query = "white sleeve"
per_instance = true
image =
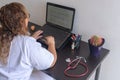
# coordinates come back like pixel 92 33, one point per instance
pixel 40 57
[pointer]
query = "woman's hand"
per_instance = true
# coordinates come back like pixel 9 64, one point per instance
pixel 37 34
pixel 50 40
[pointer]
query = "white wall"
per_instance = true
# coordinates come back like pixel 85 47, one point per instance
pixel 36 9
pixel 100 17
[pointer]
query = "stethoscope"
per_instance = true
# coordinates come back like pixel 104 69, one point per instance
pixel 76 62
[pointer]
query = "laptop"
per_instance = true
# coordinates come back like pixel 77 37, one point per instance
pixel 59 23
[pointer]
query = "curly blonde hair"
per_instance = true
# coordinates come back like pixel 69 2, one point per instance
pixel 12 20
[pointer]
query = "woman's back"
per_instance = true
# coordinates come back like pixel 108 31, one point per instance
pixel 18 65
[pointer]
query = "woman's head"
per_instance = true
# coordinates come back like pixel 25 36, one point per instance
pixel 14 20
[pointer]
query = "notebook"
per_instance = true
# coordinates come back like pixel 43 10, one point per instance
pixel 59 23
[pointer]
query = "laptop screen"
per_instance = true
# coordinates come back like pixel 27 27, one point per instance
pixel 60 15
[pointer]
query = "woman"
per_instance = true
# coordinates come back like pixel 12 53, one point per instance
pixel 19 52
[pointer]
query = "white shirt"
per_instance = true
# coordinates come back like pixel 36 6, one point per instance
pixel 25 55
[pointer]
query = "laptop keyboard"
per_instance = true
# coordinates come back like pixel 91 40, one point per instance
pixel 59 35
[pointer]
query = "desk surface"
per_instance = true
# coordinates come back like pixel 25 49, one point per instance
pixel 58 70
pixel 93 63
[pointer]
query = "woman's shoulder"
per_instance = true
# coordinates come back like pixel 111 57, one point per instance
pixel 29 38
pixel 24 38
pixel 27 41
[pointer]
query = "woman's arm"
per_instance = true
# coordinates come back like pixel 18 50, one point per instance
pixel 50 42
pixel 51 47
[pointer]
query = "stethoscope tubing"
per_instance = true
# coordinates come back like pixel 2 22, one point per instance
pixel 71 68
